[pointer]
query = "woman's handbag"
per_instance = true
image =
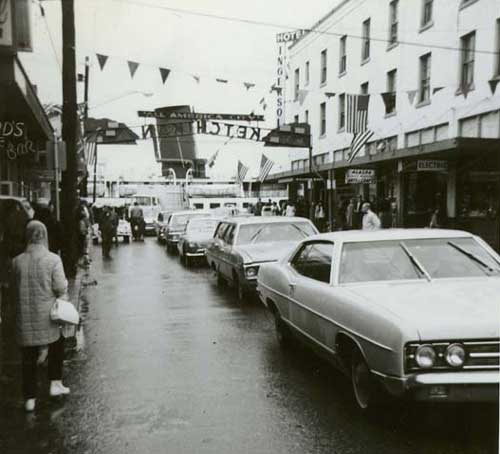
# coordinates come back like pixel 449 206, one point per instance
pixel 64 312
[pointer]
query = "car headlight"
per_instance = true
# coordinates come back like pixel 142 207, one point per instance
pixel 425 356
pixel 455 355
pixel 251 272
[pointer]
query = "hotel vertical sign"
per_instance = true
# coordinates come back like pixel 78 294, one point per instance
pixel 283 40
pixel 7 42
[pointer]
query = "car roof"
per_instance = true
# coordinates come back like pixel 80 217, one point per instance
pixel 190 212
pixel 348 236
pixel 263 219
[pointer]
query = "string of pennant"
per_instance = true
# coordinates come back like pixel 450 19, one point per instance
pixel 133 66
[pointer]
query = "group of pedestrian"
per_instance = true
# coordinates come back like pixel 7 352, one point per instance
pixel 268 208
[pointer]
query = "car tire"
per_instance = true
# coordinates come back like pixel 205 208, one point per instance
pixel 367 391
pixel 283 333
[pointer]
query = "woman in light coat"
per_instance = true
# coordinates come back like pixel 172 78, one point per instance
pixel 38 280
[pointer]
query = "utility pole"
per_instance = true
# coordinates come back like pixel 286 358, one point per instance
pixel 69 130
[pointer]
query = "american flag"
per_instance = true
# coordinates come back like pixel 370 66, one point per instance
pixel 358 143
pixel 265 167
pixel 357 113
pixel 90 152
pixel 242 172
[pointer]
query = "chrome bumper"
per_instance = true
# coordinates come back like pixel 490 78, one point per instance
pixel 195 254
pixel 474 386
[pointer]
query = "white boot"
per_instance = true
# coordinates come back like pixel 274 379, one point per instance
pixel 57 388
pixel 29 405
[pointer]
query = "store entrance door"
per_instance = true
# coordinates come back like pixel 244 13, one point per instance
pixel 424 192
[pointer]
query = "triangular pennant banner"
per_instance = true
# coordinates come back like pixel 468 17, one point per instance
pixel 248 85
pixel 102 59
pixel 196 78
pixel 493 85
pixel 132 66
pixel 262 101
pixel 329 94
pixel 411 95
pixel 465 89
pixel 164 74
pixel 222 81
pixel 436 89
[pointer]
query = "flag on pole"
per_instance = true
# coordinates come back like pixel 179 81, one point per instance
pixel 357 113
pixel 211 161
pixel 265 167
pixel 358 143
pixel 242 172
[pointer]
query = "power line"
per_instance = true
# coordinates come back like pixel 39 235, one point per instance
pixel 291 28
pixel 52 44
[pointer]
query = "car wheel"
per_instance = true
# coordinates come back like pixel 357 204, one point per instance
pixel 283 333
pixel 366 389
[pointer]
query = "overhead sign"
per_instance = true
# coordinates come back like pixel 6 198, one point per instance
pixel 360 176
pixel 7 26
pixel 431 165
pixel 294 135
pixel 290 36
pixel 195 116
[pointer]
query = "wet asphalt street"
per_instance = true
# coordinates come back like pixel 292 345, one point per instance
pixel 169 363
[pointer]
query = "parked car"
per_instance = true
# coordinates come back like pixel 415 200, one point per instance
pixel 412 313
pixel 160 224
pixel 241 245
pixel 176 225
pixel 197 234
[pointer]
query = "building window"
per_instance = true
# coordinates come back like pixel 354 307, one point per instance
pixel 322 116
pixel 427 13
pixel 425 78
pixel 468 46
pixel 390 103
pixel 296 119
pixel 306 117
pixel 364 88
pixel 342 112
pixel 296 85
pixel 393 22
pixel 323 67
pixel 307 73
pixel 343 55
pixel 365 42
pixel 497 72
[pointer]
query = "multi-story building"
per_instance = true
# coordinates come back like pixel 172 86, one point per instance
pixel 430 69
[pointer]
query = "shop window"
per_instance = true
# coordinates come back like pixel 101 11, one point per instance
pixel 425 78
pixel 468 46
pixel 343 55
pixel 324 68
pixel 393 22
pixel 479 194
pixel 365 41
pixel 427 6
pixel 214 205
pixel 390 103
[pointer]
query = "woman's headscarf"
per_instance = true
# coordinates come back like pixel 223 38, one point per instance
pixel 36 233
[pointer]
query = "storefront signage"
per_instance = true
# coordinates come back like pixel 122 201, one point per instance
pixel 14 142
pixel 6 25
pixel 360 176
pixel 431 165
pixel 290 36
pixel 194 116
pixel 214 128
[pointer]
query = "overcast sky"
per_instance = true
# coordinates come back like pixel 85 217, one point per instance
pixel 186 44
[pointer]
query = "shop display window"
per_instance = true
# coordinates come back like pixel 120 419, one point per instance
pixel 479 195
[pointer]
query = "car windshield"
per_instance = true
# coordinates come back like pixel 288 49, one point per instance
pixel 275 231
pixel 415 259
pixel 143 200
pixel 202 226
pixel 180 221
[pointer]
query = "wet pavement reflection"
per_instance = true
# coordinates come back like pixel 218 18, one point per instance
pixel 168 362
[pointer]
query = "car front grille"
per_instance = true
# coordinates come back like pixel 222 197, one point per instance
pixel 480 355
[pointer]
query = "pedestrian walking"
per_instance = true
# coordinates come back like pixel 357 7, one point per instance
pixel 290 209
pixel 275 210
pixel 370 220
pixel 319 216
pixel 258 207
pixel 106 226
pixel 349 213
pixel 38 279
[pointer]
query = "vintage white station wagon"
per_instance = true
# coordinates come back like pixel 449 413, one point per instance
pixel 414 313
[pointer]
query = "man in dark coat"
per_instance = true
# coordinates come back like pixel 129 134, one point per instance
pixel 106 226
